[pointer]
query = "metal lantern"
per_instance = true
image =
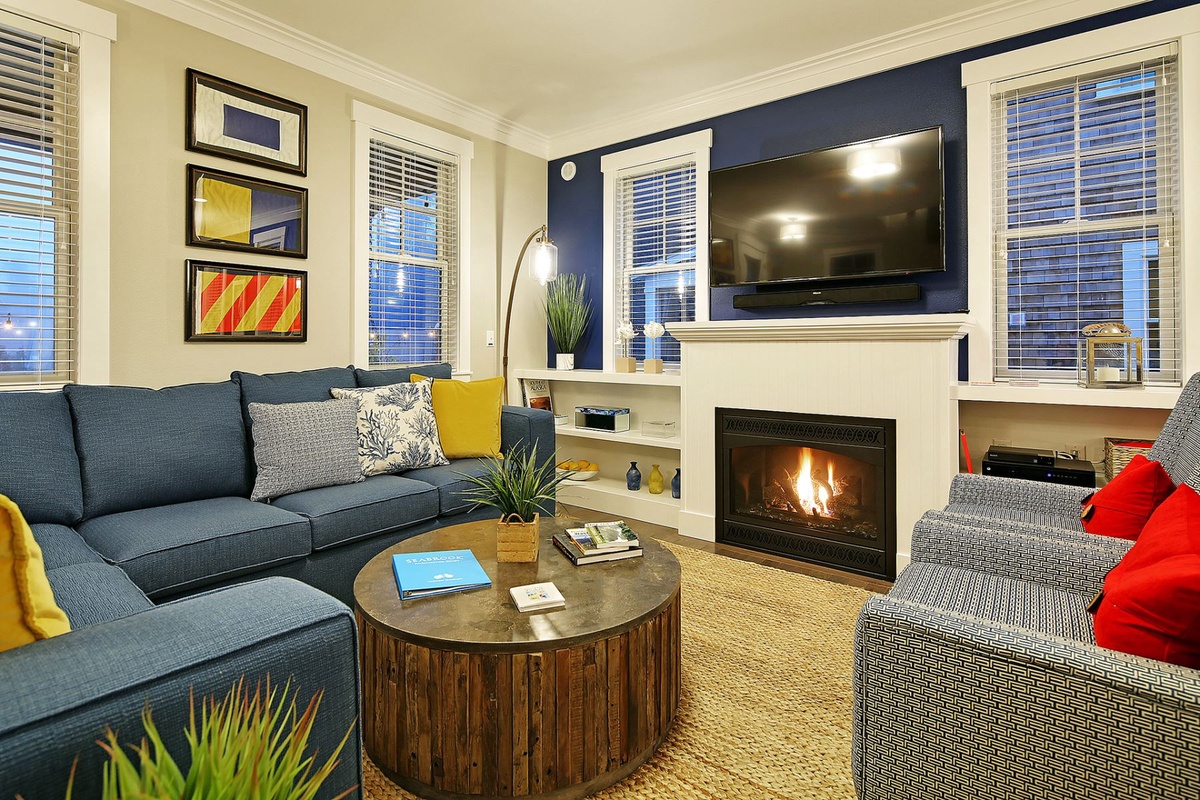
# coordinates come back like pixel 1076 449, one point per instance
pixel 1109 357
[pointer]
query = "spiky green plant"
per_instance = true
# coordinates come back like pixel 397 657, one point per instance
pixel 568 310
pixel 247 747
pixel 516 485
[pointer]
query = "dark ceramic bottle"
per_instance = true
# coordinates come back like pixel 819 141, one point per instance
pixel 675 485
pixel 633 478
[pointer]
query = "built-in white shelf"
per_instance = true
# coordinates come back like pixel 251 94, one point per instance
pixel 600 376
pixel 1066 395
pixel 612 498
pixel 625 437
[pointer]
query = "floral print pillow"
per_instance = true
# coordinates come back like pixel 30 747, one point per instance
pixel 396 427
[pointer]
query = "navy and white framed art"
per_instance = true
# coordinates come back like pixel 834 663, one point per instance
pixel 234 121
pixel 236 212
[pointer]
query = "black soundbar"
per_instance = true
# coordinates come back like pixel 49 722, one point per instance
pixel 815 297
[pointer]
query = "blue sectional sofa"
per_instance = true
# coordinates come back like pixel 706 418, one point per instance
pixel 174 581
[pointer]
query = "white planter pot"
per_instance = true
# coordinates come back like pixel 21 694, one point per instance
pixel 564 361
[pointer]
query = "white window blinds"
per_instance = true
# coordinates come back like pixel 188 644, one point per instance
pixel 39 183
pixel 1086 196
pixel 414 254
pixel 656 254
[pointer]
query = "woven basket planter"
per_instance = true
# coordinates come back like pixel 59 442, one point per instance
pixel 1119 452
pixel 517 541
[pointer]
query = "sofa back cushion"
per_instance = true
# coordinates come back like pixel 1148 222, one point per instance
pixel 141 448
pixel 39 469
pixel 386 377
pixel 307 386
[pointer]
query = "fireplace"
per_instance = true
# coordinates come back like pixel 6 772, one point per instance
pixel 812 487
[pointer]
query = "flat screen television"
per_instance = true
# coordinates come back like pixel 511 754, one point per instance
pixel 869 209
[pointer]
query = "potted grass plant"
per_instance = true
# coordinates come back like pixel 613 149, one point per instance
pixel 518 487
pixel 568 312
pixel 249 745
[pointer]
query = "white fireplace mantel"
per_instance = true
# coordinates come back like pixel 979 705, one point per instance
pixel 910 328
pixel 891 367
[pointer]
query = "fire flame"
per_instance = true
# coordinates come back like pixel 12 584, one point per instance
pixel 813 494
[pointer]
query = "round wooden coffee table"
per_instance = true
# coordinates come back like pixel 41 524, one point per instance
pixel 464 696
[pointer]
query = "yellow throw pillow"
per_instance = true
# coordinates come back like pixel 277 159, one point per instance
pixel 27 608
pixel 468 415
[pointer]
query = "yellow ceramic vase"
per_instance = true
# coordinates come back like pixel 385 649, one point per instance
pixel 656 480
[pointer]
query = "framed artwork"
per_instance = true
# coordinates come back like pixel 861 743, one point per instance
pixel 234 121
pixel 234 212
pixel 239 303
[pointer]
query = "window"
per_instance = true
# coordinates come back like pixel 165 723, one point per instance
pixel 39 202
pixel 656 206
pixel 413 222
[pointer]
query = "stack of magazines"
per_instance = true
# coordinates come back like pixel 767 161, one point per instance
pixel 599 541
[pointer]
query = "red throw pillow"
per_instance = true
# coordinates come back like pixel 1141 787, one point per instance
pixel 1122 507
pixel 1151 604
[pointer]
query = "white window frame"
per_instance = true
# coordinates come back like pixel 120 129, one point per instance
pixel 368 119
pixel 96 30
pixel 688 148
pixel 1181 26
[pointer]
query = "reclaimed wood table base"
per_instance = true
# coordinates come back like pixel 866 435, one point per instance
pixel 464 696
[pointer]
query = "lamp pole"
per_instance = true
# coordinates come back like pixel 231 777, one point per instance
pixel 544 240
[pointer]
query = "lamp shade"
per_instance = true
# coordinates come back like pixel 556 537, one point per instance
pixel 874 162
pixel 544 261
pixel 792 231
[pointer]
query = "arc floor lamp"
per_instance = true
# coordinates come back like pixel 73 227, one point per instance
pixel 544 268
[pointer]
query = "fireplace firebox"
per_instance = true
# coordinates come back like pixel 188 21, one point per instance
pixel 812 487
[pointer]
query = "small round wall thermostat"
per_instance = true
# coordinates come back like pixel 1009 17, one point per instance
pixel 568 170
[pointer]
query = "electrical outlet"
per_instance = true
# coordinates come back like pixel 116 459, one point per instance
pixel 491 338
pixel 1077 451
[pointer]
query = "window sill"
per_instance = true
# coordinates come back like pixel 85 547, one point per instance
pixel 1067 395
pixel 600 376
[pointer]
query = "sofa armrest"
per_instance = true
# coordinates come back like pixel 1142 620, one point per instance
pixel 1077 566
pixel 1015 493
pixel 60 694
pixel 947 706
pixel 527 427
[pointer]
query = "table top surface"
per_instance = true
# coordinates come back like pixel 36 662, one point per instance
pixel 603 599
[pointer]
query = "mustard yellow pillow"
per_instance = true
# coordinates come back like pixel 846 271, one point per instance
pixel 27 608
pixel 468 415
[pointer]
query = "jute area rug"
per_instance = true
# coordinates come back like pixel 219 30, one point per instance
pixel 765 707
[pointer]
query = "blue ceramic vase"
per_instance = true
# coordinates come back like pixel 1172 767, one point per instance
pixel 675 485
pixel 633 478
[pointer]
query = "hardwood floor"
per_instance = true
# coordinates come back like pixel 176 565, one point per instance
pixel 665 534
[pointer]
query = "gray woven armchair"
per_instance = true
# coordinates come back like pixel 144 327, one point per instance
pixel 1052 506
pixel 977 676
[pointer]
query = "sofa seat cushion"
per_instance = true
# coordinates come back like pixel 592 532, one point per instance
pixel 1004 600
pixel 169 549
pixel 142 448
pixel 340 514
pixel 94 593
pixel 40 470
pixel 62 546
pixel 450 483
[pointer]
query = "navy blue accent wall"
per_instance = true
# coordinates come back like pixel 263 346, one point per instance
pixel 904 99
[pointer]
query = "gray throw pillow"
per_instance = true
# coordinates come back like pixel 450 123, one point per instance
pixel 300 446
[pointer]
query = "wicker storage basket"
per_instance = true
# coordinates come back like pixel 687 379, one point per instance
pixel 1119 452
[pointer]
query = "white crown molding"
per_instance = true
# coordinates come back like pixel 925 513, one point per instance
pixel 1000 20
pixel 269 36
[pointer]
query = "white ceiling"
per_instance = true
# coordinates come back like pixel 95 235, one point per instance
pixel 557 68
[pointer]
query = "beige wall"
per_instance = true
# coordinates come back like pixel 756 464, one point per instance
pixel 508 193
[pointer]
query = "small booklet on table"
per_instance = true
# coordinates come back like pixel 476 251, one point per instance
pixel 537 597
pixel 439 572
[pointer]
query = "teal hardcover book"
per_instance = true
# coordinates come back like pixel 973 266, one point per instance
pixel 441 572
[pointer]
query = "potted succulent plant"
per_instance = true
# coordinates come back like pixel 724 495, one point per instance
pixel 247 745
pixel 568 312
pixel 518 487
